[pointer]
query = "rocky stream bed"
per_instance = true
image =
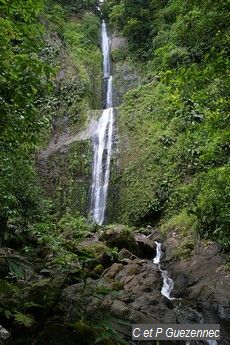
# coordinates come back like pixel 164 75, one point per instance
pixel 123 287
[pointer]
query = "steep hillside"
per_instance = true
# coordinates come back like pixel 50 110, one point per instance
pixel 174 129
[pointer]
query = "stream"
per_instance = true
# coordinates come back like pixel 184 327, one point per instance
pixel 168 285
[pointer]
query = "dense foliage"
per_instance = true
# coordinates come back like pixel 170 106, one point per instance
pixel 33 37
pixel 25 81
pixel 177 160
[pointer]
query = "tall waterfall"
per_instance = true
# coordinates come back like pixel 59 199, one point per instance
pixel 103 140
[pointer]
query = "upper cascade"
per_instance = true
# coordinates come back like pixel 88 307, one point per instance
pixel 105 51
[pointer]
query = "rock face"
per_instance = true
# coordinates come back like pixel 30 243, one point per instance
pixel 202 282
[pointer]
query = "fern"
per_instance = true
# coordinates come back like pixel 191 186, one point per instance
pixel 107 331
pixel 16 267
pixel 25 320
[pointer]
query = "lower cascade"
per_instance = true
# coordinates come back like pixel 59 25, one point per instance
pixel 102 146
pixel 102 141
pixel 168 283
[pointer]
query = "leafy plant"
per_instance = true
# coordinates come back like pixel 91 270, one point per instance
pixel 25 320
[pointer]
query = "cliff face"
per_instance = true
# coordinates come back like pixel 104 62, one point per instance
pixel 65 162
pixel 126 76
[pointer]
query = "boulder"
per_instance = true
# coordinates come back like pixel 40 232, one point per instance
pixel 120 236
pixel 4 334
pixel 147 247
pixel 137 275
pixel 126 254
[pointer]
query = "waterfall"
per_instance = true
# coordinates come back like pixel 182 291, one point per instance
pixel 103 140
pixel 168 283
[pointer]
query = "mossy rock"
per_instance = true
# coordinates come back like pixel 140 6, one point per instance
pixel 120 236
pixel 184 251
pixel 100 253
pixel 97 271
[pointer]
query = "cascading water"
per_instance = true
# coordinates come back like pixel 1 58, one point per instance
pixel 168 283
pixel 103 140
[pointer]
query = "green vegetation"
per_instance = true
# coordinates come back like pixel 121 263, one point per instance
pixel 177 123
pixel 26 79
pixel 50 69
pixel 174 153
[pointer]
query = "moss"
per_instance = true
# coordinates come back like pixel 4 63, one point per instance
pixel 226 267
pixel 185 249
pixel 68 178
pixel 117 286
pixel 97 271
pixel 183 222
pixel 133 271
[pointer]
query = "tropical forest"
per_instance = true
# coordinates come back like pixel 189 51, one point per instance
pixel 114 171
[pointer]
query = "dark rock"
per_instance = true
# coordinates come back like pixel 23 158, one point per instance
pixel 180 284
pixel 147 248
pixel 137 276
pixel 186 314
pixel 4 268
pixel 59 334
pixel 126 254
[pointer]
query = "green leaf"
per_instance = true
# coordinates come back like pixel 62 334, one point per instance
pixel 26 320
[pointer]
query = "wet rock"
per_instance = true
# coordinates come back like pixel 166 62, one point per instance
pixel 117 42
pixel 202 280
pixel 180 285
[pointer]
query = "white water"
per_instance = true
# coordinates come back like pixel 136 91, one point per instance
pixel 103 140
pixel 105 50
pixel 168 283
pixel 157 258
